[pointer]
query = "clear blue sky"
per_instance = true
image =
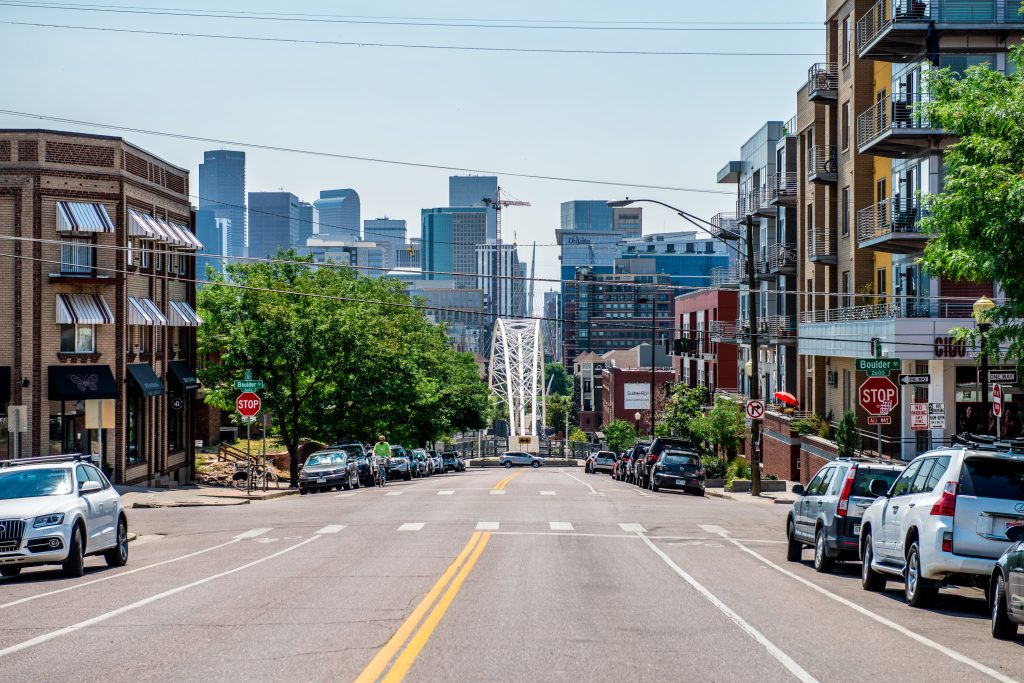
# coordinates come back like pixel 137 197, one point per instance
pixel 663 120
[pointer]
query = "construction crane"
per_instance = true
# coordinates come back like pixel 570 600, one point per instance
pixel 498 204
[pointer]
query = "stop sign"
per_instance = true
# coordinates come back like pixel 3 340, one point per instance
pixel 248 404
pixel 878 395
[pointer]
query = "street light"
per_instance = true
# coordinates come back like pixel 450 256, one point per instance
pixel 654 332
pixel 636 416
pixel 981 310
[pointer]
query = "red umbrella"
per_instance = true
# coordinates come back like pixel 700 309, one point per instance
pixel 787 398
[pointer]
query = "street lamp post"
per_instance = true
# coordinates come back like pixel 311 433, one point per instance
pixel 981 310
pixel 636 416
pixel 654 333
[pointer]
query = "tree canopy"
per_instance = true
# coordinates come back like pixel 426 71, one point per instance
pixel 341 355
pixel 619 435
pixel 561 381
pixel 683 405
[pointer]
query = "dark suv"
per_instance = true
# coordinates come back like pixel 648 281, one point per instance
pixel 643 465
pixel 678 469
pixel 357 452
pixel 827 512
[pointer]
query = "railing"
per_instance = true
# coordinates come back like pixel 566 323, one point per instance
pixel 761 198
pixel 893 308
pixel 893 215
pixel 821 243
pixel 886 13
pixel 722 329
pixel 778 326
pixel 779 256
pixel 790 128
pixel 726 275
pixel 821 78
pixel 899 111
pixel 725 223
pixel 781 186
pixel 821 159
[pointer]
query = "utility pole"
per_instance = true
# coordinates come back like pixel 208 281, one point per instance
pixel 755 378
pixel 654 337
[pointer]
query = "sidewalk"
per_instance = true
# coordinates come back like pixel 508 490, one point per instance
pixel 194 496
pixel 779 498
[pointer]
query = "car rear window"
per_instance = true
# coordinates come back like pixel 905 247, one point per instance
pixel 680 459
pixel 862 480
pixel 993 478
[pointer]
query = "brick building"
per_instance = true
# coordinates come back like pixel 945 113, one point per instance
pixel 98 312
pixel 626 392
pixel 707 318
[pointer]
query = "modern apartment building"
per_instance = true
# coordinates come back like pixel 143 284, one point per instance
pixel 340 214
pixel 450 237
pixel 688 258
pixel 478 191
pixel 97 326
pixel 707 319
pixel 274 223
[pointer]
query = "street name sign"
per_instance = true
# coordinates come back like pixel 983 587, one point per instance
pixel 755 409
pixel 919 417
pixel 248 384
pixel 937 415
pixel 878 395
pixel 906 380
pixel 875 420
pixel 879 367
pixel 1005 376
pixel 248 404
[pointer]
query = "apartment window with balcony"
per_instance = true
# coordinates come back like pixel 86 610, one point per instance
pixel 881 190
pixel 880 283
pixel 845 291
pixel 846 126
pixel 77 257
pixel 77 339
pixel 847 39
pixel 844 218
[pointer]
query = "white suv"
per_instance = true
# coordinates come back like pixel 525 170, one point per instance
pixel 943 521
pixel 57 510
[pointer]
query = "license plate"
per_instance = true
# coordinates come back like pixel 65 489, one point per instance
pixel 856 528
pixel 681 482
pixel 321 480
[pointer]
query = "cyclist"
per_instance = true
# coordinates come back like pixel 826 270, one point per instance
pixel 382 452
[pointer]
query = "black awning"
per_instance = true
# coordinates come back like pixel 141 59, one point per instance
pixel 80 382
pixel 185 376
pixel 144 380
pixel 5 384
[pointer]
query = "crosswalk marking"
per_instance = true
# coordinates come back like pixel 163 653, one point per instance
pixel 411 526
pixel 560 526
pixel 331 529
pixel 252 533
pixel 487 526
pixel 394 493
pixel 633 527
pixel 497 492
pixel 446 493
pixel 345 495
pixel 547 493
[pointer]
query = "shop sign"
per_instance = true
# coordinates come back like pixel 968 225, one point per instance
pixel 636 396
pixel 950 347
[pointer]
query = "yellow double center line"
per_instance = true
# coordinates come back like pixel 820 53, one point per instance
pixel 500 486
pixel 459 569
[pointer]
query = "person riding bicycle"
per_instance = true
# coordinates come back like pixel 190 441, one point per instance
pixel 381 453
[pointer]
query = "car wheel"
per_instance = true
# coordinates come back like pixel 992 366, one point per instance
pixel 535 464
pixel 919 591
pixel 1002 627
pixel 303 491
pixel 118 555
pixel 356 484
pixel 794 548
pixel 653 486
pixel 870 580
pixel 10 571
pixel 408 477
pixel 822 562
pixel 346 485
pixel 74 566
pixel 508 465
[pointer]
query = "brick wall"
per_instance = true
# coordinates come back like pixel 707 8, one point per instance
pixel 78 155
pixel 781 447
pixel 815 453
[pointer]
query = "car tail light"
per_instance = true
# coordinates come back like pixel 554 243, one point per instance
pixel 947 541
pixel 946 505
pixel 844 495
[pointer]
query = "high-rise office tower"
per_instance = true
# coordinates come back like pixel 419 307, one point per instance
pixel 340 214
pixel 308 219
pixel 472 190
pixel 274 222
pixel 387 233
pixel 222 190
pixel 213 232
pixel 450 236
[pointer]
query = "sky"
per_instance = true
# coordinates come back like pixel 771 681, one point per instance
pixel 643 119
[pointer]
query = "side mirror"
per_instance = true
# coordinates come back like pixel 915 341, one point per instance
pixel 1015 533
pixel 89 487
pixel 798 490
pixel 879 487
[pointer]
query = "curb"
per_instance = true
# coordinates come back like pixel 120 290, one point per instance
pixel 716 494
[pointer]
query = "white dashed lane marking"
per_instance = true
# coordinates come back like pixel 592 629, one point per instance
pixel 487 526
pixel 411 526
pixel 560 526
pixel 497 492
pixel 547 493
pixel 633 527
pixel 252 533
pixel 331 529
pixel 446 493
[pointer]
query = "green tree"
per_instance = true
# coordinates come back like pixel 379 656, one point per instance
pixel 577 435
pixel 723 428
pixel 847 435
pixel 558 407
pixel 978 219
pixel 561 381
pixel 619 435
pixel 683 405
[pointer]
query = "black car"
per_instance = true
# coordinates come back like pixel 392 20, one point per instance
pixel 450 460
pixel 325 469
pixel 358 452
pixel 400 464
pixel 678 469
pixel 1007 587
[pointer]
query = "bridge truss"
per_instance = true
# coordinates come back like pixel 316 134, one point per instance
pixel 517 374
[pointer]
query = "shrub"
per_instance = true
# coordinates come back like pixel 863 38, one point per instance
pixel 738 469
pixel 770 477
pixel 847 436
pixel 812 424
pixel 714 468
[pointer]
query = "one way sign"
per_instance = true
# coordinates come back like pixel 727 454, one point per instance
pixel 915 379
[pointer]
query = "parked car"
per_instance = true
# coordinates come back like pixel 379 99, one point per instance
pixel 943 521
pixel 461 462
pixel 420 455
pixel 511 459
pixel 604 461
pixel 59 510
pixel 1007 592
pixel 678 469
pixel 400 465
pixel 328 468
pixel 358 452
pixel 450 461
pixel 643 465
pixel 438 462
pixel 827 512
pixel 620 466
pixel 418 464
pixel 588 464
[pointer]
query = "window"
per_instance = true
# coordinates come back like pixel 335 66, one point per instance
pixel 846 126
pixel 709 247
pixel 921 480
pixel 846 390
pixel 175 425
pixel 815 482
pixel 181 265
pixel 845 290
pixel 837 481
pixel 940 467
pixel 844 208
pixel 902 485
pixel 880 283
pixel 144 254
pixel 135 443
pixel 76 257
pixel 131 252
pixel 847 35
pixel 826 479
pixel 77 338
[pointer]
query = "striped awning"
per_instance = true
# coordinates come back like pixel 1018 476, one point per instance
pixel 173 234
pixel 193 241
pixel 83 309
pixel 182 315
pixel 143 311
pixel 83 217
pixel 145 226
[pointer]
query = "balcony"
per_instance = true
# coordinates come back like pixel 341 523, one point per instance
pixel 761 202
pixel 892 226
pixel 727 277
pixel 823 83
pixel 897 30
pixel 781 329
pixel 726 331
pixel 821 246
pixel 779 259
pixel 782 189
pixel 894 308
pixel 726 224
pixel 822 161
pixel 896 127
pixel 78 265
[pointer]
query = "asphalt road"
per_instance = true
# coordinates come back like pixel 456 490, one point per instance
pixel 535 575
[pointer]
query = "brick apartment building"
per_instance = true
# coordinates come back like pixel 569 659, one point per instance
pixel 707 318
pixel 98 312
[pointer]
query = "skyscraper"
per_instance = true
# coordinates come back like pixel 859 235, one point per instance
pixel 213 232
pixel 308 219
pixel 274 222
pixel 222 190
pixel 387 233
pixel 471 190
pixel 340 214
pixel 500 277
pixel 587 215
pixel 450 236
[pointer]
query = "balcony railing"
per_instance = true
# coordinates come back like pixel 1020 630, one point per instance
pixel 723 330
pixel 898 112
pixel 725 224
pixel 790 127
pixel 891 309
pixel 782 188
pixel 887 14
pixel 823 82
pixel 821 245
pixel 778 257
pixel 893 215
pixel 726 276
pixel 821 163
pixel 778 327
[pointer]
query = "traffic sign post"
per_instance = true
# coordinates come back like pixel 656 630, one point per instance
pixel 755 409
pixel 997 408
pixel 919 417
pixel 248 404
pixel 1003 376
pixel 878 396
pixel 878 420
pixel 937 415
pixel 911 380
pixel 879 367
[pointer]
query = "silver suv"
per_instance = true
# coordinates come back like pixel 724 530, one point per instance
pixel 58 510
pixel 943 521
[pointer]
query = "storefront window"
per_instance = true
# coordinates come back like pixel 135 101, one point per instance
pixel 175 423
pixel 969 406
pixel 135 442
